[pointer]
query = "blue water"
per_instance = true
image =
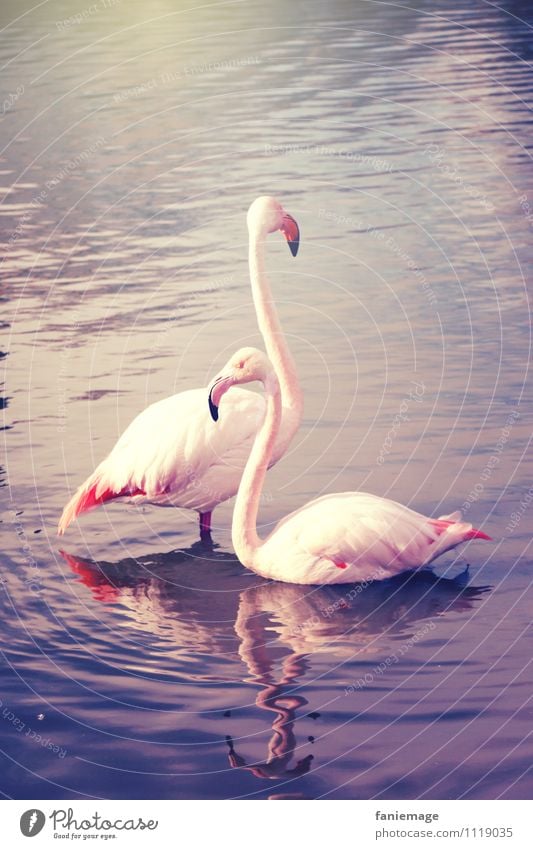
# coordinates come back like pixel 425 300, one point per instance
pixel 136 661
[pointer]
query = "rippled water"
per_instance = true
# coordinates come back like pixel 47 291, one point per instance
pixel 138 663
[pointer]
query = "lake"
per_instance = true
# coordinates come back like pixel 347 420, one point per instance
pixel 138 662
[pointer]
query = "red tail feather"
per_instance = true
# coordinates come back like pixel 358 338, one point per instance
pixel 85 498
pixel 475 534
pixel 441 525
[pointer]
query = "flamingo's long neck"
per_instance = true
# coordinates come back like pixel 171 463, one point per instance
pixel 246 541
pixel 267 318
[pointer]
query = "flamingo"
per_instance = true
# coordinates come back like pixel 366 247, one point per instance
pixel 340 538
pixel 171 454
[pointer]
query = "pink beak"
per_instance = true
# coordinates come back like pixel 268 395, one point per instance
pixel 291 231
pixel 218 388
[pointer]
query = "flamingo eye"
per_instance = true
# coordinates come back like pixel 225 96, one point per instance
pixel 240 364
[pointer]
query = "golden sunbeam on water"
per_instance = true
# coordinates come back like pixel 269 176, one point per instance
pixel 139 661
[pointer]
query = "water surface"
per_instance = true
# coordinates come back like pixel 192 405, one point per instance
pixel 137 662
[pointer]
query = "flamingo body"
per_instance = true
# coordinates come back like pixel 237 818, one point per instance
pixel 335 539
pixel 355 536
pixel 173 455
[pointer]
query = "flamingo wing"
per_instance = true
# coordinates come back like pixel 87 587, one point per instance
pixel 355 536
pixel 173 453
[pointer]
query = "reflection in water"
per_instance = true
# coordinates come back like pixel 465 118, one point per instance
pixel 392 135
pixel 354 612
pixel 278 626
pixel 274 697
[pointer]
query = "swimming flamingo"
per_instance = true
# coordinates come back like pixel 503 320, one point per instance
pixel 171 454
pixel 335 539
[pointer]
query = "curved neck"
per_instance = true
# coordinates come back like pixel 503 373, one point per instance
pixel 267 319
pixel 246 541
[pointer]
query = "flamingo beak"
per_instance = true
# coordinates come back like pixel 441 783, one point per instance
pixel 218 388
pixel 291 231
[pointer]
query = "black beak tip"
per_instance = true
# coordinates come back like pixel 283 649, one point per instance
pixel 213 409
pixel 294 245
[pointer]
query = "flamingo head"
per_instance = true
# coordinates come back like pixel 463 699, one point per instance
pixel 246 366
pixel 266 215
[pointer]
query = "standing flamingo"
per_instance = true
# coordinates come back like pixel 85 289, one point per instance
pixel 335 539
pixel 172 454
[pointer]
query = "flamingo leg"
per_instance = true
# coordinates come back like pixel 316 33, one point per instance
pixel 205 525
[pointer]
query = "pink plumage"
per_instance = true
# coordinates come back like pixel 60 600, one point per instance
pixel 172 454
pixel 339 538
pixel 91 494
